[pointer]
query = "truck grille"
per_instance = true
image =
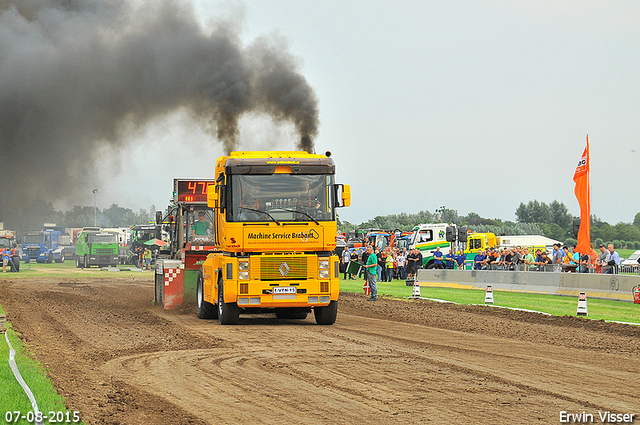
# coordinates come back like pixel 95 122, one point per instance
pixel 283 268
pixel 105 251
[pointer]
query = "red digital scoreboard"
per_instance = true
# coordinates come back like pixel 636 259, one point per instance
pixel 191 191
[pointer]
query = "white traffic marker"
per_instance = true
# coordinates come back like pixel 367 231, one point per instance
pixel 582 304
pixel 488 295
pixel 416 289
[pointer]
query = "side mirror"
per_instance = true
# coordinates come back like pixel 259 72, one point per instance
pixel 212 196
pixel 345 198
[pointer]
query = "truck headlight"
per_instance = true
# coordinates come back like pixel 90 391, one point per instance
pixel 323 274
pixel 323 264
pixel 243 270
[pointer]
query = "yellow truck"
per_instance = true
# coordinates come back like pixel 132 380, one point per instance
pixel 275 230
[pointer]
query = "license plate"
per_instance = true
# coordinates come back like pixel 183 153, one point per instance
pixel 284 290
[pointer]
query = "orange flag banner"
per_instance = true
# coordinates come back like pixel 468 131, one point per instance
pixel 581 178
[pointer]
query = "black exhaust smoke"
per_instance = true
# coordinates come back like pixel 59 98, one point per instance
pixel 79 75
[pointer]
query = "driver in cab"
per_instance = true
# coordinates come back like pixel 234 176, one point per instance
pixel 307 199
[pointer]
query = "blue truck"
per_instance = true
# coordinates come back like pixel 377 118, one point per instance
pixel 44 246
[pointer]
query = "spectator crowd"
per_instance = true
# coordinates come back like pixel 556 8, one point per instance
pixel 402 264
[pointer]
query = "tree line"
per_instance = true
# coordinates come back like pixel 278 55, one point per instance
pixel 533 218
pixel 32 217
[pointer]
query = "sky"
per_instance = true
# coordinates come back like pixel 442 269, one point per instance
pixel 472 105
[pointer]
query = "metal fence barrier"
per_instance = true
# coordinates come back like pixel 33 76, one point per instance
pixel 560 268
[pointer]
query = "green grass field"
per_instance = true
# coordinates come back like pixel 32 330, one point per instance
pixel 62 270
pixel 12 396
pixel 625 253
pixel 599 309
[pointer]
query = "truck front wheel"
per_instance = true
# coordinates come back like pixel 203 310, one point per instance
pixel 228 313
pixel 204 310
pixel 86 262
pixel 61 259
pixel 50 258
pixel 326 315
pixel 78 262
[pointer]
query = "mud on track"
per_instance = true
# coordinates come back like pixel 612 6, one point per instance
pixel 120 360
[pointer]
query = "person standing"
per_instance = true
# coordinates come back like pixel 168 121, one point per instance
pixel 354 257
pixel 346 257
pixel 370 273
pixel 450 260
pixel 412 258
pixel 558 254
pixel 528 259
pixel 516 258
pixel 437 259
pixel 603 259
pixel 614 260
pixel 6 255
pixel 478 260
pixel 147 258
pixel 400 260
pixel 460 258
pixel 389 266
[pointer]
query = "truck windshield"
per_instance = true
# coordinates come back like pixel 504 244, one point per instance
pixel 103 238
pixel 6 243
pixel 39 238
pixel 283 197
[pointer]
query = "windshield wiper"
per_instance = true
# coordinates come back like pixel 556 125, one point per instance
pixel 262 212
pixel 302 212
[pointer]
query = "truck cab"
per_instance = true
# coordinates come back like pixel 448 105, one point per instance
pixel 275 227
pixel 480 241
pixel 97 248
pixel 42 246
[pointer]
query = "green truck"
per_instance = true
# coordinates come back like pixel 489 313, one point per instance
pixel 96 248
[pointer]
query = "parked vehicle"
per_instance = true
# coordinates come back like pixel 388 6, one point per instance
pixel 96 248
pixel 43 246
pixel 632 260
pixel 8 240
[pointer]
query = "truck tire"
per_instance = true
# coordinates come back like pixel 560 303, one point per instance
pixel 61 259
pixel 228 313
pixel 15 263
pixel 326 315
pixel 159 289
pixel 86 265
pixel 291 313
pixel 50 258
pixel 78 263
pixel 204 310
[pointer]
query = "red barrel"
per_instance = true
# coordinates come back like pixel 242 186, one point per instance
pixel 636 294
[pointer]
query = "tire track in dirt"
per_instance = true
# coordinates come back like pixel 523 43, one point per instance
pixel 121 360
pixel 374 369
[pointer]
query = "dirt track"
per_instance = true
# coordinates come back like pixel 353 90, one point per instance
pixel 120 360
